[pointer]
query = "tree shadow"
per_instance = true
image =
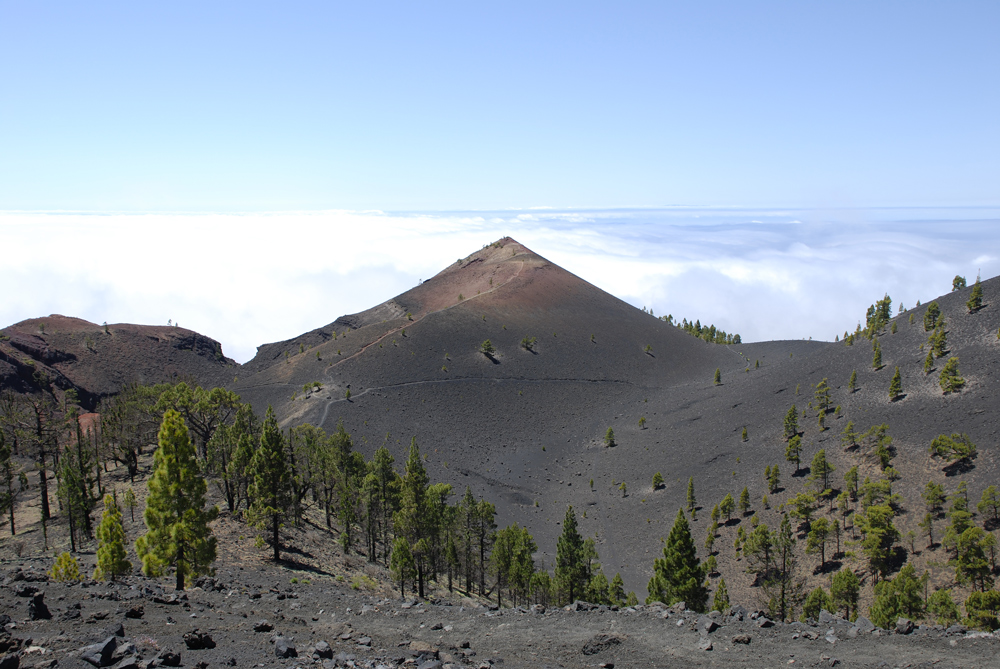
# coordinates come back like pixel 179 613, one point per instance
pixel 805 471
pixel 732 522
pixel 899 397
pixel 829 566
pixel 492 358
pixel 959 467
pixel 301 566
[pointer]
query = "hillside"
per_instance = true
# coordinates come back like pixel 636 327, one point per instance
pixel 96 361
pixel 525 429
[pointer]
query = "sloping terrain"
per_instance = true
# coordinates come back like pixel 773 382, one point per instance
pixel 97 361
pixel 525 428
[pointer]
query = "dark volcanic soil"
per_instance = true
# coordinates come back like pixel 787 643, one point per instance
pixel 525 428
pixel 371 630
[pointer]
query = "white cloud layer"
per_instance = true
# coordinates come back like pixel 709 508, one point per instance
pixel 248 279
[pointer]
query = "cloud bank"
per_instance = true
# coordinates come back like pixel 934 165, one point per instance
pixel 248 279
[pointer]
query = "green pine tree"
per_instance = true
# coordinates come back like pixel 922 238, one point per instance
pixel 721 600
pixel 877 357
pixel 571 570
pixel 896 386
pixel 931 316
pixel 744 436
pixel 791 425
pixel 745 501
pixel 845 589
pixel 793 452
pixel 718 376
pixel 951 381
pixel 401 566
pixel 177 521
pixel 727 506
pixel 678 576
pixel 616 590
pixel 112 560
pixel 975 302
pixel 609 438
pixel 929 362
pixel 774 480
pixel 852 385
pixel 270 491
pixel 657 481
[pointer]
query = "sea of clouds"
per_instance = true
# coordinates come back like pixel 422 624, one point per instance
pixel 251 278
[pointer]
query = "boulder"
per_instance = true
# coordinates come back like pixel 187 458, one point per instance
pixel 706 625
pixel 262 626
pixel 284 649
pixel 323 650
pixel 100 654
pixel 864 625
pixel 198 640
pixel 168 659
pixel 25 590
pixel 11 661
pixel 705 644
pixel 904 626
pixel 135 612
pixel 827 618
pixel 128 662
pixel 365 641
pixel 764 623
pixel 37 610
pixel 537 608
pixel 741 638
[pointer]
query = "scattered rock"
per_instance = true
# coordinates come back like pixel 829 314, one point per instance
pixel 706 625
pixel 741 638
pixel 37 610
pixel 864 625
pixel 437 626
pixel 284 649
pixel 601 642
pixel 764 623
pixel 956 629
pixel 11 661
pixel 262 626
pixel 904 626
pixel 25 590
pixel 114 630
pixel 135 612
pixel 128 662
pixel 168 659
pixel 537 608
pixel 827 618
pixel 100 654
pixel 198 640
pixel 365 641
pixel 705 644
pixel 323 651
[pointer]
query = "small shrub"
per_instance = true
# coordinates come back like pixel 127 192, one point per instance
pixel 65 569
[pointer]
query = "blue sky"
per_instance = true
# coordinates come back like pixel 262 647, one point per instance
pixel 225 106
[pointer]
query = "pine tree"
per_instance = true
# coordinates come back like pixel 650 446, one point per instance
pixel 821 396
pixel 571 572
pixel 852 385
pixel 931 316
pixel 271 486
pixel 657 481
pixel 609 438
pixel 745 501
pixel 412 517
pixel 12 479
pixel 895 386
pixel 745 434
pixel 958 283
pixel 401 564
pixel 727 506
pixel 951 381
pixel 678 575
pixel 774 480
pixel 791 425
pixel 975 302
pixel 929 362
pixel 718 377
pixel 112 560
pixel 820 470
pixel 65 569
pixel 877 357
pixel 616 591
pixel 793 452
pixel 720 602
pixel 131 502
pixel 691 504
pixel 177 521
pixel 845 589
